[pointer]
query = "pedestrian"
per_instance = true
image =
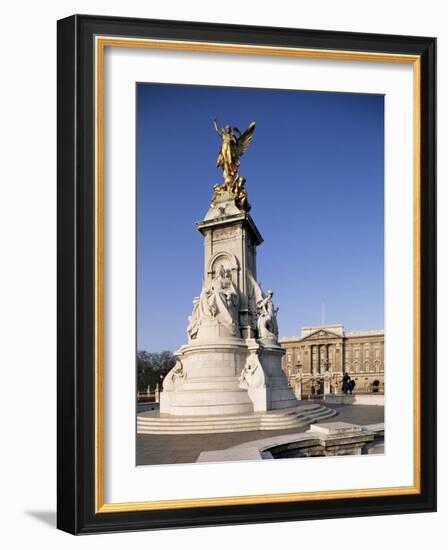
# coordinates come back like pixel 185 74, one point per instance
pixel 346 383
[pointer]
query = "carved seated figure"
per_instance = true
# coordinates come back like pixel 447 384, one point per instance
pixel 252 376
pixel 218 303
pixel 175 377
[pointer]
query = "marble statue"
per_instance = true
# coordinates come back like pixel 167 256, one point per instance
pixel 219 300
pixel 267 317
pixel 262 309
pixel 193 320
pixel 252 375
pixel 175 377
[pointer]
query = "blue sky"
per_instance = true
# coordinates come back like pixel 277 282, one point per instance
pixel 315 179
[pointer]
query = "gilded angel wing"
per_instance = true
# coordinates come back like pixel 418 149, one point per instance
pixel 244 140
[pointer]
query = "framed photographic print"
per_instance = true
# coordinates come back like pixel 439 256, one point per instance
pixel 246 274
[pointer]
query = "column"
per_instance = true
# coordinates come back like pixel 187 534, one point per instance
pixel 340 359
pixel 311 359
pixel 318 359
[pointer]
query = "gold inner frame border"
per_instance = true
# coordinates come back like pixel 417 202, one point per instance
pixel 100 44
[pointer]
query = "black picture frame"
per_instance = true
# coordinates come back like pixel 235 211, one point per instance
pixel 76 480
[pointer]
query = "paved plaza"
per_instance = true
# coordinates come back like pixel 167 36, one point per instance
pixel 177 449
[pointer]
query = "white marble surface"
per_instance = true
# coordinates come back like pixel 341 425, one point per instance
pixel 232 362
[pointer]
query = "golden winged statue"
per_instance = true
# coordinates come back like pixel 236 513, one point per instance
pixel 233 146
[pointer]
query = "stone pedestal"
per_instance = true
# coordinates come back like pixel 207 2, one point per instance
pixel 232 362
pixel 211 385
pixel 230 240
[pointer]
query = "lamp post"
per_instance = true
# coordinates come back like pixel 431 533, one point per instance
pixel 327 376
pixel 298 384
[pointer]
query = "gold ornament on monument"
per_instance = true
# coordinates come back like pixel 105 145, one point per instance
pixel 233 146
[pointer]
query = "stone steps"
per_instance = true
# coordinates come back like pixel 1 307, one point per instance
pixel 304 420
pixel 269 415
pixel 272 420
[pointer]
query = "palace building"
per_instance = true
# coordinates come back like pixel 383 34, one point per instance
pixel 316 360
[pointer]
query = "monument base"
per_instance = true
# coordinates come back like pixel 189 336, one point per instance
pixel 152 422
pixel 226 376
pixel 278 393
pixel 209 383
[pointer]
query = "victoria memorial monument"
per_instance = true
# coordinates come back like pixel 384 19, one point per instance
pixel 231 366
